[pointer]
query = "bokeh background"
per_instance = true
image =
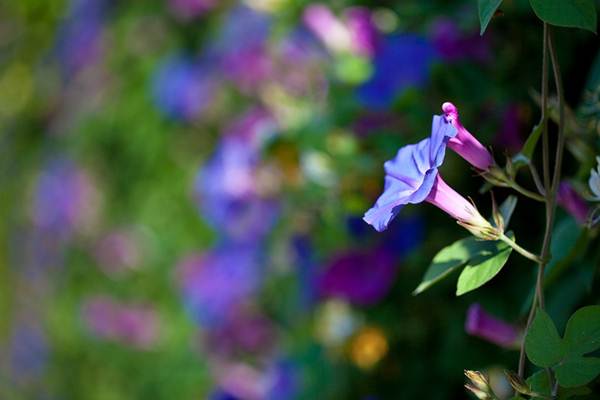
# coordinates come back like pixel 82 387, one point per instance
pixel 182 184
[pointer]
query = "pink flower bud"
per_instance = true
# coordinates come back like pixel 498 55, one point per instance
pixel 464 143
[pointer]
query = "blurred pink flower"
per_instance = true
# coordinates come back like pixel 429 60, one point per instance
pixel 117 252
pixel 133 325
pixel 570 200
pixel 363 34
pixel 481 324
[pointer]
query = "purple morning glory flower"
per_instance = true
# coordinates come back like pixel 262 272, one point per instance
pixel 362 278
pixel 570 200
pixel 183 88
pixel 464 143
pixel 412 177
pixel 215 284
pixel 481 324
pixel 401 61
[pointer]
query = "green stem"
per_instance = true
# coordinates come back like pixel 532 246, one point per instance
pixel 525 192
pixel 519 249
pixel 538 298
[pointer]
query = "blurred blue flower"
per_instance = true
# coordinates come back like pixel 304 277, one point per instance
pixel 401 61
pixel 285 383
pixel 215 284
pixel 361 277
pixel 79 38
pixel 183 88
pixel 28 352
pixel 226 187
pixel 405 235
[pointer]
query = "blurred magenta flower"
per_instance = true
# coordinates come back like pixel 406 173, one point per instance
pixel 570 200
pixel 364 36
pixel 412 177
pixel 242 49
pixel 118 252
pixel 325 25
pixel 189 9
pixel 183 88
pixel 481 324
pixel 464 143
pixel 244 333
pixel 360 277
pixel 132 325
pixel 453 45
pixel 65 199
pixel 508 136
pixel 217 283
pixel 400 62
pixel 79 41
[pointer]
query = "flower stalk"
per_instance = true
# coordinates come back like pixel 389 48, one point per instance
pixel 525 253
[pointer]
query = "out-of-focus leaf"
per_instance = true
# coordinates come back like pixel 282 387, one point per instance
pixel 577 371
pixel 507 208
pixel 487 9
pixel 483 267
pixel 567 13
pixel 543 345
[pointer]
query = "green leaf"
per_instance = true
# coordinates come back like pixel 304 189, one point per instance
pixel 567 13
pixel 540 383
pixel 565 237
pixel 567 393
pixel 525 155
pixel 543 345
pixel 577 371
pixel 484 266
pixel 447 260
pixel 582 334
pixel 487 8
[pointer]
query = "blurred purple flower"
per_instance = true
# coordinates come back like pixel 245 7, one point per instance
pixel 117 252
pixel 362 278
pixel 65 199
pixel 226 186
pixel 183 88
pixel 189 9
pixel 215 284
pixel 481 324
pixel 453 45
pixel 364 36
pixel 132 325
pixel 509 135
pixel 28 352
pixel 402 61
pixel 242 334
pixel 570 200
pixel 79 40
pixel 242 48
pixel 284 378
pixel 220 394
